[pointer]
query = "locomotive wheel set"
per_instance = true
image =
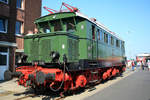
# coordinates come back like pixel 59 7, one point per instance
pixel 70 51
pixel 62 80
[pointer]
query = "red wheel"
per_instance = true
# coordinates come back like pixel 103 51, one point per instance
pixel 81 81
pixel 105 75
pixel 114 72
pixel 124 69
pixel 109 72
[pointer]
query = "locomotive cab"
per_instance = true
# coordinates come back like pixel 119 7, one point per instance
pixel 54 35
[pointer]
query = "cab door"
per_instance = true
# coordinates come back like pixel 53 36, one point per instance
pixel 4 61
pixel 94 43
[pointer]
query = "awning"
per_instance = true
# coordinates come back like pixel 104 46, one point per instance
pixel 20 50
pixel 8 44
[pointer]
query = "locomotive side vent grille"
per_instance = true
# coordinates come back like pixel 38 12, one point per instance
pixel 73 49
pixel 45 50
pixel 76 49
pixel 34 50
pixel 70 49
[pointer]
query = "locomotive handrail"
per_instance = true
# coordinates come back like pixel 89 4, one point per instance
pixel 52 34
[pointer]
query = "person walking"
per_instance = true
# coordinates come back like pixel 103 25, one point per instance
pixel 133 65
pixel 142 65
pixel 138 64
pixel 148 64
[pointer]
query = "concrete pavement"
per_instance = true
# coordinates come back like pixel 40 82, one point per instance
pixel 12 91
pixel 134 87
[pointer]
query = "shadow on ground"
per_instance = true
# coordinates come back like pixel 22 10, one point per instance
pixel 2 81
pixel 47 95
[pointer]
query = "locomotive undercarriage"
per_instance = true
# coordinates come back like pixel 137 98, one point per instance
pixel 66 76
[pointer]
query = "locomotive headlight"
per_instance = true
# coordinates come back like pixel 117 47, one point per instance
pixel 55 56
pixel 63 46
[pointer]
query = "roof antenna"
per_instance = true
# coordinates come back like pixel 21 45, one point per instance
pixel 69 7
pixel 50 10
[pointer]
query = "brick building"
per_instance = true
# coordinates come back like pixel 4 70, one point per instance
pixel 16 20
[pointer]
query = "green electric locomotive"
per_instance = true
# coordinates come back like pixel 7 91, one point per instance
pixel 70 51
pixel 74 35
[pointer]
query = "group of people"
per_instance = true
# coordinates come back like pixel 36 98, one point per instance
pixel 140 64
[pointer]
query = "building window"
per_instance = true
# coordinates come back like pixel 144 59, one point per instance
pixel 19 3
pixel 18 28
pixel 5 1
pixel 3 25
pixel 3 59
pixel 3 56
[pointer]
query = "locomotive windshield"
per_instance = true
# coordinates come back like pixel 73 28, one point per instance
pixel 70 24
pixel 57 25
pixel 44 27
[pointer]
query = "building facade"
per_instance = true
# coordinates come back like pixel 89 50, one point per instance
pixel 16 20
pixel 143 57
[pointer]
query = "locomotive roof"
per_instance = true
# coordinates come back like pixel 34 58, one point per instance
pixel 73 14
pixel 98 24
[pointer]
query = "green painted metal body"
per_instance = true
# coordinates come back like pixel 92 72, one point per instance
pixel 38 47
pixel 76 43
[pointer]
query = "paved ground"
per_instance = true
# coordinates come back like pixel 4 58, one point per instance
pixel 12 91
pixel 134 87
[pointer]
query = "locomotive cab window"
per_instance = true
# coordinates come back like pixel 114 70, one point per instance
pixel 44 28
pixel 112 40
pixel 122 44
pixel 101 35
pixel 93 32
pixel 105 38
pixel 98 34
pixel 70 25
pixel 57 25
pixel 117 43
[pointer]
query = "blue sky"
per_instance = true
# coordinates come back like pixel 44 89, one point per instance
pixel 130 19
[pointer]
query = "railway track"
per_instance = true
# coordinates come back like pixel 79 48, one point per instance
pixel 27 96
pixel 40 97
